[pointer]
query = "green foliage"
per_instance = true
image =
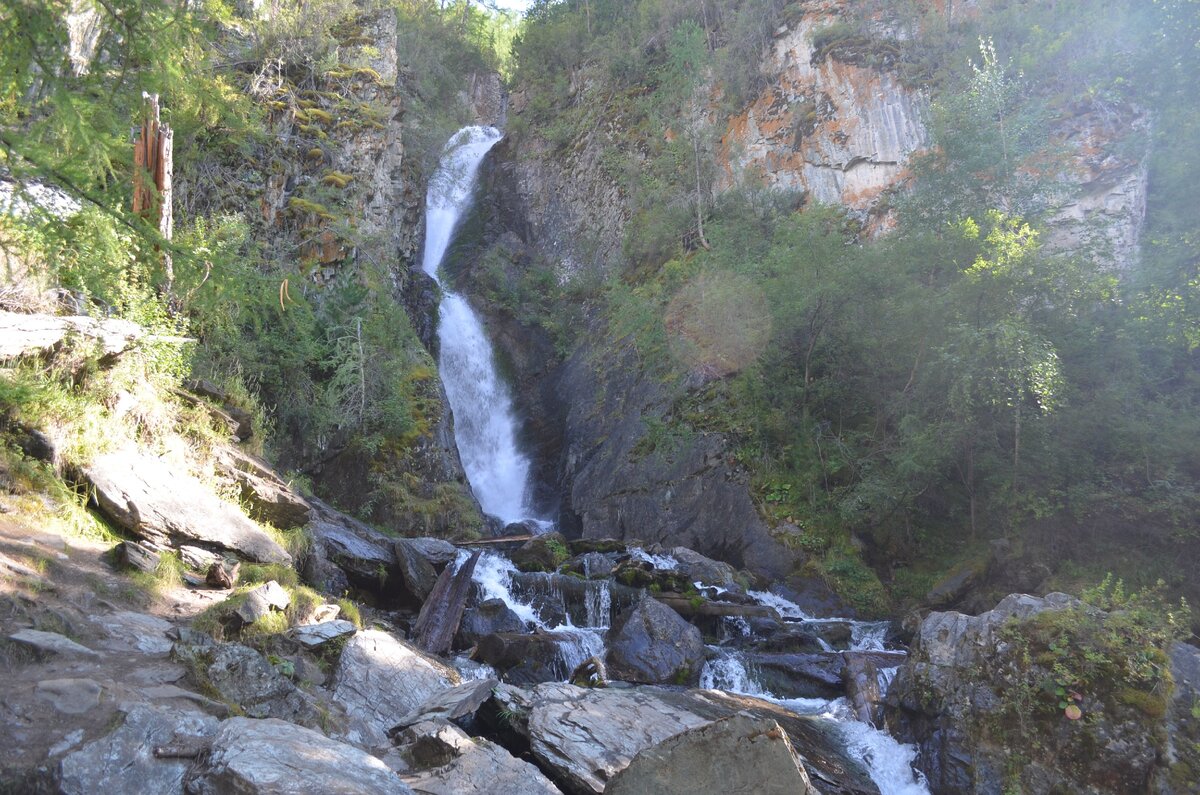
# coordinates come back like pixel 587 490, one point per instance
pixel 1079 659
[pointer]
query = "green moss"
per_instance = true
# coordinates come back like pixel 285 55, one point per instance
pixel 1152 705
pixel 337 179
pixel 299 205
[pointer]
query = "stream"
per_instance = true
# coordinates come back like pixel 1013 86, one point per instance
pixel 577 611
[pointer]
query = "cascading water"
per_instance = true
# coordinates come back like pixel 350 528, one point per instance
pixel 485 431
pixel 484 424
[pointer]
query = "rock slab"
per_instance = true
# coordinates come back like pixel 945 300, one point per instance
pixel 651 644
pixel 379 680
pixel 271 757
pixel 741 755
pixel 164 506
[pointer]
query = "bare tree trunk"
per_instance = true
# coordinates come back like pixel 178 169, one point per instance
pixel 699 195
pixel 153 162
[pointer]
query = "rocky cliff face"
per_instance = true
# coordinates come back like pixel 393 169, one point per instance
pixel 339 197
pixel 838 130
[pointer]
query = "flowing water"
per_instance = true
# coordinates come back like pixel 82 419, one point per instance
pixel 485 431
pixel 484 423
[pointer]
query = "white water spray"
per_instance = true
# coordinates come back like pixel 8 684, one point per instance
pixel 484 425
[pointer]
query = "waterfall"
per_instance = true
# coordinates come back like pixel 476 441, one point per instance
pixel 484 424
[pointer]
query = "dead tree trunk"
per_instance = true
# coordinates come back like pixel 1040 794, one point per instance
pixel 152 166
pixel 440 615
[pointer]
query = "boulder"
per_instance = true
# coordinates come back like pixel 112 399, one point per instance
pixel 705 570
pixel 271 757
pixel 587 735
pixel 262 600
pixel 955 700
pixel 817 675
pixel 529 658
pixel 345 550
pixel 584 736
pixel 541 553
pixel 1182 724
pixel 380 679
pixel 124 761
pixel 244 677
pixel 456 704
pixel 466 764
pixel 486 618
pixel 417 570
pixel 312 636
pixel 740 755
pixel 164 506
pixel 953 587
pixel 653 645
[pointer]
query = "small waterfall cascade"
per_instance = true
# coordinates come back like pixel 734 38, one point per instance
pixel 484 423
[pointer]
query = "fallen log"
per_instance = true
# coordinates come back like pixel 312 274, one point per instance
pixel 439 618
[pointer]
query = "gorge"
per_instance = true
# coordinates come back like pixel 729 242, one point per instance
pixel 627 396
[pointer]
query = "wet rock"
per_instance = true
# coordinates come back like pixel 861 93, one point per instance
pixel 816 675
pixel 771 635
pixel 124 761
pixel 541 553
pixel 136 491
pixel 592 565
pixel 262 600
pixel 525 659
pixel 380 679
pixel 740 755
pixel 244 677
pixel 466 764
pixel 271 757
pixel 51 643
pixel 70 696
pixel 128 631
pixel 312 636
pixel 456 704
pixel 488 617
pixel 653 645
pixel 698 568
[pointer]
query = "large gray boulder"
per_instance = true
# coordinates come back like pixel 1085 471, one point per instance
pixel 467 765
pixel 272 757
pixel 651 644
pixel 347 552
pixel 585 736
pixel 380 679
pixel 971 697
pixel 153 501
pixel 486 618
pixel 124 760
pixel 741 755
